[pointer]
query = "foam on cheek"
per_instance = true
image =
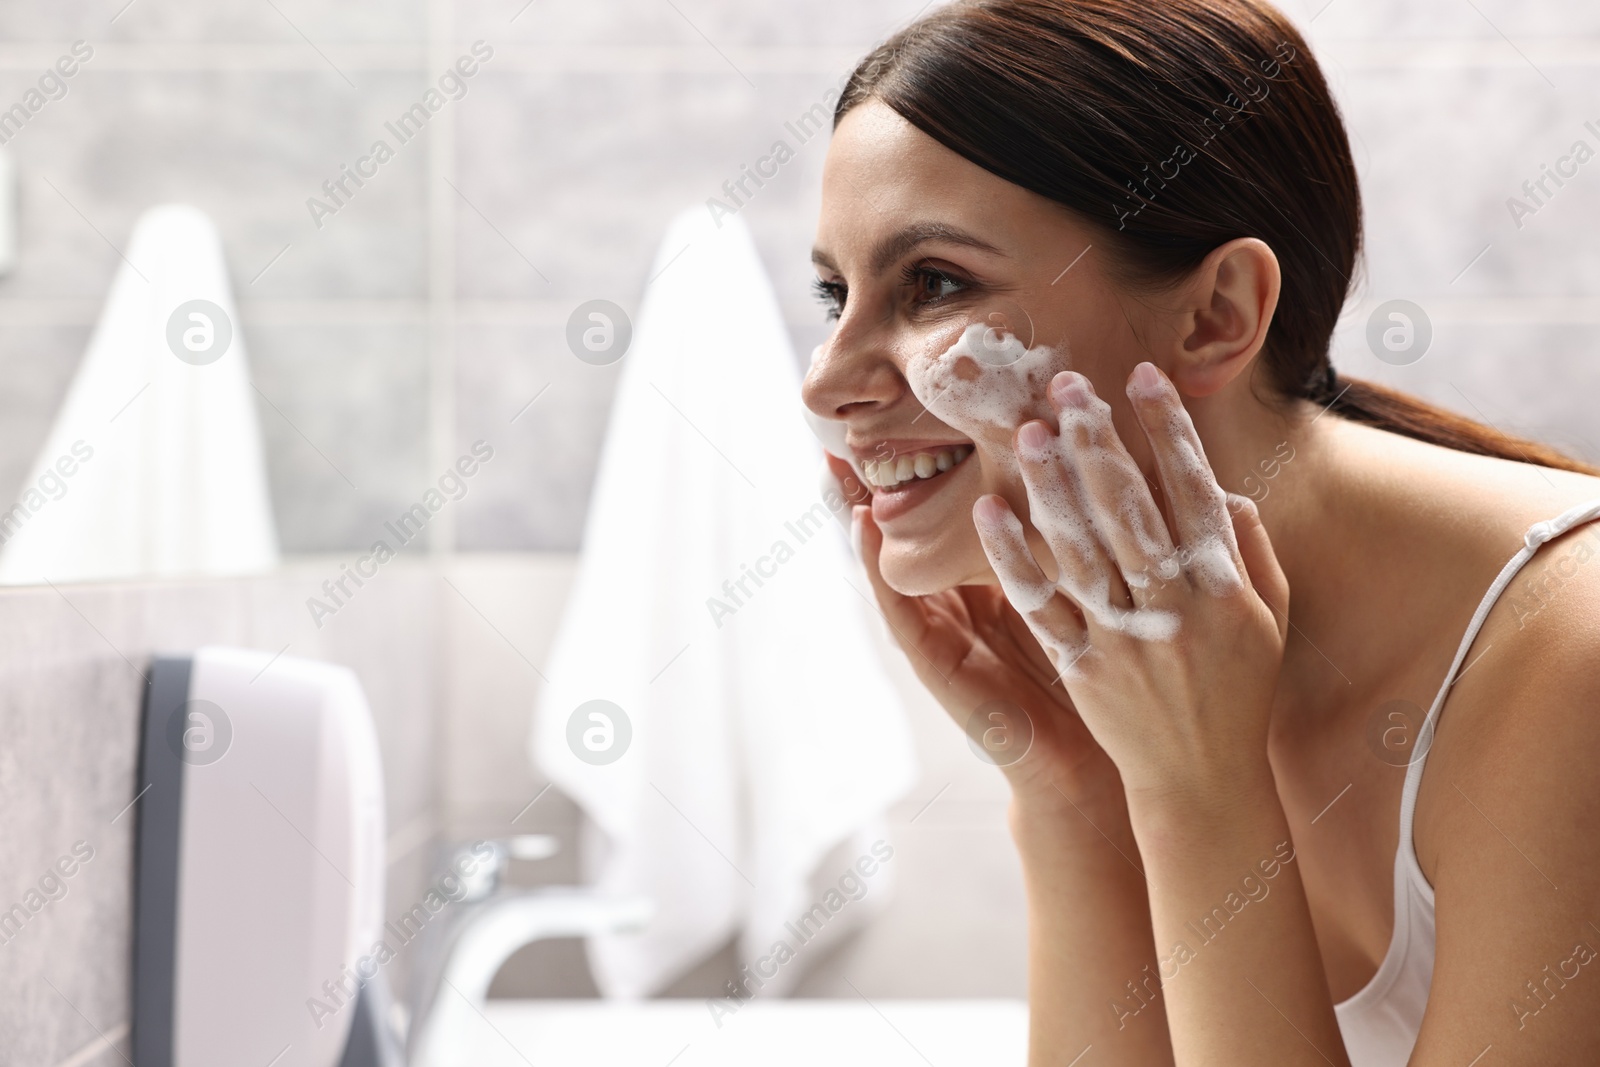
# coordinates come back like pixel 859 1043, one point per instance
pixel 985 385
pixel 988 382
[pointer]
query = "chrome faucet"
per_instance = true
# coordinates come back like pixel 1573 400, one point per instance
pixel 494 922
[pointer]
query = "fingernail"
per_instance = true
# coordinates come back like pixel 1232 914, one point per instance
pixel 1146 378
pixel 1035 436
pixel 1071 390
pixel 990 509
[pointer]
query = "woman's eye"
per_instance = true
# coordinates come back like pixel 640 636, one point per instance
pixel 831 295
pixel 930 285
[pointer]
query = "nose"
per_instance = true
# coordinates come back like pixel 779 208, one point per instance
pixel 851 376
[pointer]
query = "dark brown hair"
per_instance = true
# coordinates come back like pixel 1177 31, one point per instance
pixel 1172 126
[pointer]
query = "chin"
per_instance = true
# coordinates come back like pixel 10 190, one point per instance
pixel 922 567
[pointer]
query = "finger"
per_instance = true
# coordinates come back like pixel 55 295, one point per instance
pixel 1059 509
pixel 1200 522
pixel 933 648
pixel 867 540
pixel 1051 618
pixel 1261 562
pixel 851 486
pixel 1126 514
pixel 907 616
pixel 1006 545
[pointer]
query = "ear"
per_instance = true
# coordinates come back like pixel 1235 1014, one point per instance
pixel 1229 300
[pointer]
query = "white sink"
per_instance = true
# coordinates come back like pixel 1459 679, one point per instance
pixel 773 1033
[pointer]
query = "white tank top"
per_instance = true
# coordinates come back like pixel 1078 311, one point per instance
pixel 1380 1022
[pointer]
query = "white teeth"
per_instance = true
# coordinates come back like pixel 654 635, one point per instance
pixel 888 473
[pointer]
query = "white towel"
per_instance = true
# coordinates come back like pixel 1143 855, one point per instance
pixel 765 728
pixel 154 463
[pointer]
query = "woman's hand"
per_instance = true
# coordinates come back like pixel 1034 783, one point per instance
pixel 1167 631
pixel 977 657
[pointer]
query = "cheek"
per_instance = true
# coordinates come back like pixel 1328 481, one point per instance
pixel 986 385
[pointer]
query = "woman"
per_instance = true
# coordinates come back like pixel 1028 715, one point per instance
pixel 1204 585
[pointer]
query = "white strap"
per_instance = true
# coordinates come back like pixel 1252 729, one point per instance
pixel 1537 535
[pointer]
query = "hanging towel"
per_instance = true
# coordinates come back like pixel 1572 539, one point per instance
pixel 717 604
pixel 154 464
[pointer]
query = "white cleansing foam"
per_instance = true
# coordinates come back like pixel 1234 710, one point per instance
pixel 988 383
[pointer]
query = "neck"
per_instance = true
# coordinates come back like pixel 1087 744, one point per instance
pixel 1322 507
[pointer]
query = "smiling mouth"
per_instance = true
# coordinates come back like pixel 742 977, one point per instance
pixel 913 467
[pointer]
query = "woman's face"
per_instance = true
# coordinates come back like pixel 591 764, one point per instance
pixel 915 246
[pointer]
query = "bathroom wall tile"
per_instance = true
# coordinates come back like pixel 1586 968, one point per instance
pixel 342 405
pixel 534 495
pixel 343 408
pixel 393 620
pixel 249 148
pixel 500 617
pixel 1524 377
pixel 64 776
pixel 164 21
pixel 702 24
pixel 1441 151
pixel 37 361
pixel 1424 20
pixel 535 491
pixel 586 198
pixel 579 173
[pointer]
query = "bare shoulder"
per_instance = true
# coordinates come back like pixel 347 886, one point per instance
pixel 1525 711
pixel 1525 707
pixel 1533 666
pixel 1506 819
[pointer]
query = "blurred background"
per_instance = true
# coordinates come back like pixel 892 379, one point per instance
pixel 430 311
pixel 433 306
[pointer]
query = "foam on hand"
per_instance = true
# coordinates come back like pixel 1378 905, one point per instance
pixel 1210 557
pixel 987 383
pixel 1062 511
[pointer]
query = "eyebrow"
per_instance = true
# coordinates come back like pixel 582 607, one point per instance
pixel 898 244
